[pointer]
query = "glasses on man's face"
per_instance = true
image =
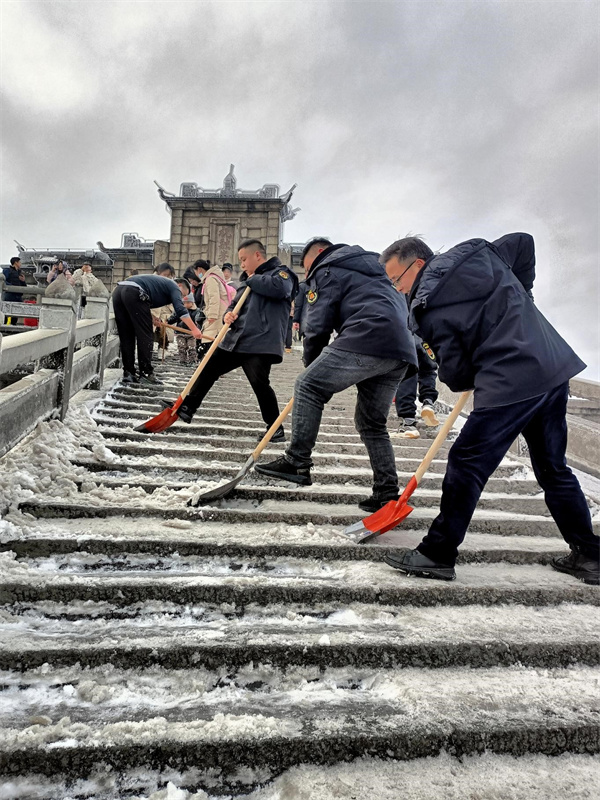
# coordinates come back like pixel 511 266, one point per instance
pixel 396 281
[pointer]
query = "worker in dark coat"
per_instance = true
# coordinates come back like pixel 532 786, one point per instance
pixel 132 301
pixel 348 292
pixel 255 340
pixel 13 276
pixel 471 305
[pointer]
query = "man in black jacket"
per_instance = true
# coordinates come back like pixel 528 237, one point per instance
pixel 132 301
pixel 14 277
pixel 348 292
pixel 471 305
pixel 256 338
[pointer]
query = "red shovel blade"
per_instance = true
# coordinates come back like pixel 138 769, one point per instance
pixel 385 519
pixel 161 421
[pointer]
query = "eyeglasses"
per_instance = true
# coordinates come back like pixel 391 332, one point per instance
pixel 396 281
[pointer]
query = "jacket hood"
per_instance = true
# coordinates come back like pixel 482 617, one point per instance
pixel 349 256
pixel 441 281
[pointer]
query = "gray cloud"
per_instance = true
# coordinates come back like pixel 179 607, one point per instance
pixel 449 119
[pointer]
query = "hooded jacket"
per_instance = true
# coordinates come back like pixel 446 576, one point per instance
pixel 215 301
pixel 349 292
pixel 13 277
pixel 471 305
pixel 262 324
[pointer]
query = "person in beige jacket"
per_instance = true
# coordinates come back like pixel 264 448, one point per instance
pixel 214 293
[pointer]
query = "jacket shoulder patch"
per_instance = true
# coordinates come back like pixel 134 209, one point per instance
pixel 283 274
pixel 311 296
pixel 428 350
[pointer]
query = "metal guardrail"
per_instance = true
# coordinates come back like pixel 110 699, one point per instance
pixel 67 354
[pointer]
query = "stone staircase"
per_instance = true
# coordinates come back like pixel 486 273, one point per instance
pixel 216 647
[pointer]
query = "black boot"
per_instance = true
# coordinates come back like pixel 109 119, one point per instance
pixel 412 562
pixel 278 436
pixel 150 380
pixel 375 502
pixel 184 413
pixel 280 468
pixel 129 378
pixel 585 568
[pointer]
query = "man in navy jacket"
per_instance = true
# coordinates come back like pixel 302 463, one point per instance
pixel 472 305
pixel 256 338
pixel 348 292
pixel 14 277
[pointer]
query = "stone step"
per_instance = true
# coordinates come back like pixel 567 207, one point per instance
pixel 301 582
pixel 329 430
pixel 167 538
pixel 354 476
pixel 337 494
pixel 224 434
pixel 147 447
pixel 274 511
pixel 269 719
pixel 354 635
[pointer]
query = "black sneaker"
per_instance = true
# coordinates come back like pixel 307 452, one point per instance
pixel 129 377
pixel 281 468
pixel 278 436
pixel 586 568
pixel 150 380
pixel 412 562
pixel 184 413
pixel 374 503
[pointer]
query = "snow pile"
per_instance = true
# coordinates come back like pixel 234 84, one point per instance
pixel 41 464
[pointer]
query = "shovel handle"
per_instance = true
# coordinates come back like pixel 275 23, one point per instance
pixel 442 435
pixel 184 330
pixel 216 342
pixel 269 434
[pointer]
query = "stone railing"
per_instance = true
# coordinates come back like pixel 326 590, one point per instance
pixel 61 356
pixel 583 446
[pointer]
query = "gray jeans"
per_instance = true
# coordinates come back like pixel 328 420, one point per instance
pixel 376 380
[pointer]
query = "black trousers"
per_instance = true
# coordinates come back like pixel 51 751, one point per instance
pixel 257 369
pixel 406 393
pixel 288 333
pixel 482 444
pixel 134 324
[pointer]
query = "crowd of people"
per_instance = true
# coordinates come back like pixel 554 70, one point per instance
pixel 386 324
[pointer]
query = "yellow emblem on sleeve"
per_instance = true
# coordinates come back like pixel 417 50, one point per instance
pixel 428 350
pixel 311 296
pixel 283 274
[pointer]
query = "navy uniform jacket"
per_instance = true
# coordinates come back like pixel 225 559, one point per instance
pixel 161 292
pixel 13 277
pixel 349 292
pixel 262 325
pixel 471 305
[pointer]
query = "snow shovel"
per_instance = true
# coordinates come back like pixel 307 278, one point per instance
pixel 168 416
pixel 222 491
pixel 395 511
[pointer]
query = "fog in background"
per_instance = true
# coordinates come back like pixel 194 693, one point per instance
pixel 446 119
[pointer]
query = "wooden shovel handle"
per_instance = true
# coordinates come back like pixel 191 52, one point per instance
pixel 217 341
pixel 441 437
pixel 269 434
pixel 185 330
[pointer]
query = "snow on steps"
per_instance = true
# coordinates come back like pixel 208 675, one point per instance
pixel 247 638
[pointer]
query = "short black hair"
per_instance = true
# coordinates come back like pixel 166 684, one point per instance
pixel 318 240
pixel 185 282
pixel 165 267
pixel 201 263
pixel 409 247
pixel 249 244
pixel 14 260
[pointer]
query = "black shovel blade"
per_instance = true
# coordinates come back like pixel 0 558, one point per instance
pixel 221 491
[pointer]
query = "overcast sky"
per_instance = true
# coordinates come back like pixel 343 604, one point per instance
pixel 448 119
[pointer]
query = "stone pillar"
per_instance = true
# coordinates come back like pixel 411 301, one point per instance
pixel 98 308
pixel 60 314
